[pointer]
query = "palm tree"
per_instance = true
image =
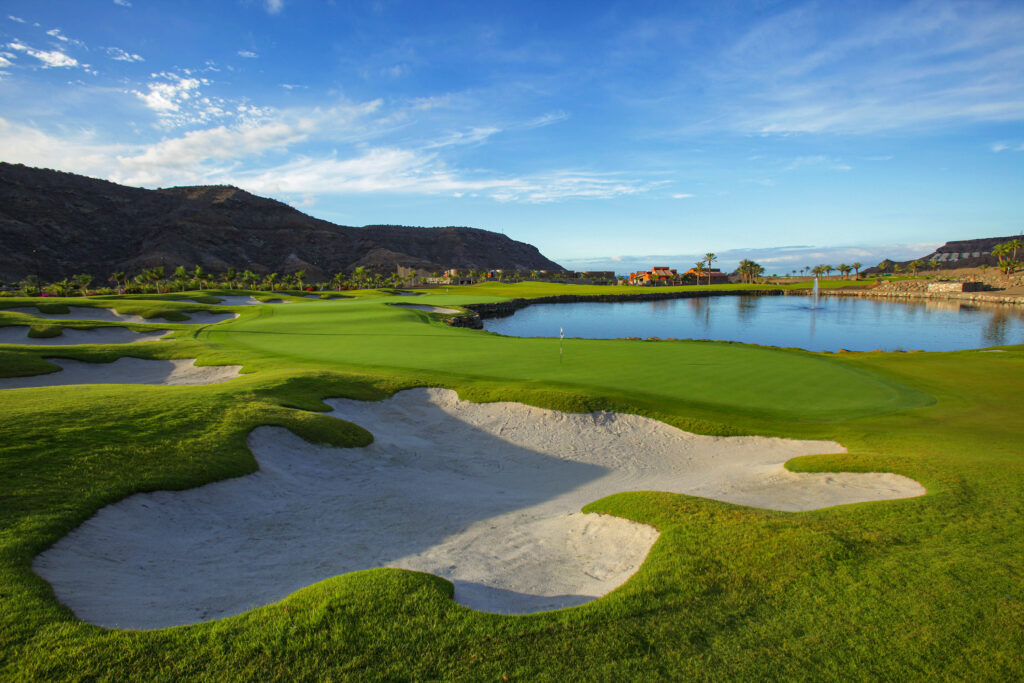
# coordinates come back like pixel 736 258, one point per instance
pixel 140 281
pixel 182 276
pixel 915 265
pixel 359 275
pixel 699 267
pixel 750 270
pixel 934 264
pixel 708 258
pixel 300 276
pixel 156 276
pixel 29 284
pixel 271 281
pixel 857 266
pixel 844 269
pixel 248 278
pixel 200 275
pixel 1014 245
pixel 116 279
pixel 230 276
pixel 82 280
pixel 59 287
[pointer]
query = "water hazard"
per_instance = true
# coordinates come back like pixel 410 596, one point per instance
pixel 834 323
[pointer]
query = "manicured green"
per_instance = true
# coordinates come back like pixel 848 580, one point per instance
pixel 914 589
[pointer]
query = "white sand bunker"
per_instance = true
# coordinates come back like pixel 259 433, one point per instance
pixel 485 495
pixel 110 315
pixel 126 371
pixel 18 334
pixel 425 307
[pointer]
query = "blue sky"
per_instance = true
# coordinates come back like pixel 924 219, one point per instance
pixel 610 135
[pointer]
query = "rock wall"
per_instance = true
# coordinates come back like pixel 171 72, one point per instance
pixel 974 290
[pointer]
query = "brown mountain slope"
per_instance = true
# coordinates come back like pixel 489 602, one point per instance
pixel 55 224
pixel 955 254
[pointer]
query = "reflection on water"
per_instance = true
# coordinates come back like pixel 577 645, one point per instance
pixel 838 323
pixel 998 328
pixel 746 309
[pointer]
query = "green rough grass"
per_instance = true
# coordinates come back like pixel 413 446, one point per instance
pixel 912 589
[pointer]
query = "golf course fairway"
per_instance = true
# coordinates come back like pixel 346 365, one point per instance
pixel 924 587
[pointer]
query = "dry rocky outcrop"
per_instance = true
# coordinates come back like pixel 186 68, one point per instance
pixel 55 224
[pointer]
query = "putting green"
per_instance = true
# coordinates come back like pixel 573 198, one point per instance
pixel 928 587
pixel 370 333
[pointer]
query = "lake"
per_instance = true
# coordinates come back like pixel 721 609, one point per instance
pixel 850 323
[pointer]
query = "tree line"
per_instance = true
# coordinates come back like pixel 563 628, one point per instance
pixel 158 280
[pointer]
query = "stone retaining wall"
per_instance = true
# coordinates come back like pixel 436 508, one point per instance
pixel 879 293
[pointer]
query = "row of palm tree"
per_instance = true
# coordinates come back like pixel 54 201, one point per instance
pixel 825 269
pixel 183 278
pixel 750 270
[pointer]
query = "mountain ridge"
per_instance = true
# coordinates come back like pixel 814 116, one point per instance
pixel 54 224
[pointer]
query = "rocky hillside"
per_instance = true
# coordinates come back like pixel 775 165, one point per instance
pixel 957 254
pixel 55 224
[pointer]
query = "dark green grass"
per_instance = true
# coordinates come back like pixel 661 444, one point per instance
pixel 915 589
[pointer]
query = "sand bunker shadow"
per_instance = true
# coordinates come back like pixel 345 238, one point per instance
pixel 18 334
pixel 182 371
pixel 485 495
pixel 110 315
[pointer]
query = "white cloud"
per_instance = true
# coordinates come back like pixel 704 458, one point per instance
pixel 76 153
pixel 119 55
pixel 818 160
pixel 4 61
pixel 275 6
pixel 545 120
pixel 395 170
pixel 469 137
pixel 17 19
pixel 168 94
pixel 123 3
pixel 56 33
pixel 682 195
pixel 428 103
pixel 395 71
pixel 259 149
pixel 49 58
pixel 915 64
pixel 189 157
pixel 248 54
